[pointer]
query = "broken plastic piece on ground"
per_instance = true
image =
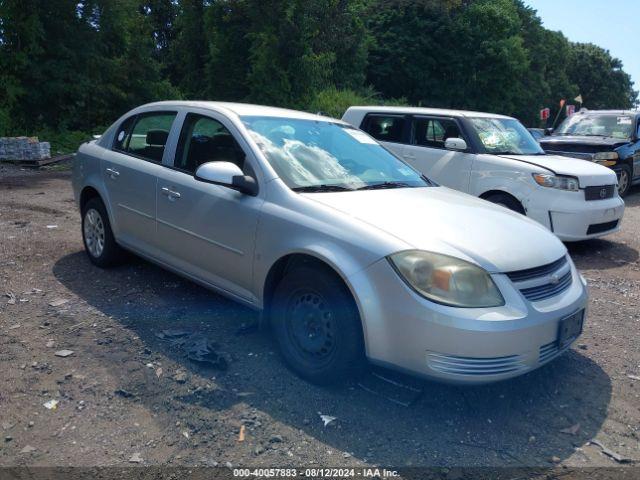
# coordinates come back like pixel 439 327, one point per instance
pixel 51 404
pixel 171 334
pixel 64 353
pixel 202 351
pixel 615 455
pixel 327 419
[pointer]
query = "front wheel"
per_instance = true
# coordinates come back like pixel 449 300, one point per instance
pixel 99 243
pixel 506 201
pixel 624 180
pixel 317 326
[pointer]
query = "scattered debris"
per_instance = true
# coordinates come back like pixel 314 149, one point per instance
pixel 610 453
pixel 159 372
pixel 276 439
pixel 50 227
pixel 136 458
pixel 12 298
pixel 124 393
pixel 202 351
pixel 327 419
pixel 8 438
pixel 259 450
pixel 13 327
pixel 634 377
pixel 555 459
pixel 185 434
pixel 241 434
pixel 180 376
pixel 64 353
pixel 171 334
pixel 50 344
pixel 51 404
pixel 58 302
pixel 28 449
pixel 573 430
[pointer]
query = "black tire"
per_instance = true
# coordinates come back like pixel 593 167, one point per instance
pixel 317 326
pixel 110 254
pixel 624 180
pixel 507 201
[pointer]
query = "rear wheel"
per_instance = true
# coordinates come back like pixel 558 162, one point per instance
pixel 624 180
pixel 99 243
pixel 317 325
pixel 506 201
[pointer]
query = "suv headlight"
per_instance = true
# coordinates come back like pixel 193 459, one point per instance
pixel 606 156
pixel 447 280
pixel 561 182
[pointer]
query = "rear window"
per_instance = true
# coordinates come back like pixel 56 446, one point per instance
pixel 386 128
pixel 145 135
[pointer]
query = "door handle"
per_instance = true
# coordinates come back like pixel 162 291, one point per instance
pixel 113 173
pixel 172 194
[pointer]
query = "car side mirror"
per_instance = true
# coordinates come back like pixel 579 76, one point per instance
pixel 548 131
pixel 455 144
pixel 228 175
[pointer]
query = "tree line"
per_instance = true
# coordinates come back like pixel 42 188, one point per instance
pixel 78 65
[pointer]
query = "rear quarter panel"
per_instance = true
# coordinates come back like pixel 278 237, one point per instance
pixel 87 172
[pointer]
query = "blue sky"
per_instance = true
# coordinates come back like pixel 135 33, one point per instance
pixel 610 24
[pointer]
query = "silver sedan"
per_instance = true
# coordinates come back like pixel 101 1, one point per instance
pixel 348 251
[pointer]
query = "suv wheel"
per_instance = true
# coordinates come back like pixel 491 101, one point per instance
pixel 97 236
pixel 624 180
pixel 506 201
pixel 317 326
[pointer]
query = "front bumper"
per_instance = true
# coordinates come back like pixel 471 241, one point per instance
pixel 571 218
pixel 460 345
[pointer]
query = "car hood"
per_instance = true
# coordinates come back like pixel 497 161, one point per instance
pixel 441 220
pixel 588 173
pixel 608 143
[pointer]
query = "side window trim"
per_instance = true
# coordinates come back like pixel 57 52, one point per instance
pixel 136 118
pixel 406 129
pixel 414 118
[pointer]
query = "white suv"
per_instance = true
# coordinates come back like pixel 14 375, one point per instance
pixel 495 158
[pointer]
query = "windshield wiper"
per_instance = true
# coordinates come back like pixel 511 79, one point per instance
pixel 322 188
pixel 380 186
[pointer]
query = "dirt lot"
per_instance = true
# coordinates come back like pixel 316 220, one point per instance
pixel 126 394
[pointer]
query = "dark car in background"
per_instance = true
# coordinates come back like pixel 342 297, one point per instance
pixel 608 137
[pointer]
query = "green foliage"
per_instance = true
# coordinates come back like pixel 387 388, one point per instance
pixel 69 66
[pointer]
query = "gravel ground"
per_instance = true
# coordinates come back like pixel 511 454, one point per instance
pixel 127 395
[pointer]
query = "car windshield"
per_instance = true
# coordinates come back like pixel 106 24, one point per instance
pixel 610 125
pixel 505 136
pixel 311 155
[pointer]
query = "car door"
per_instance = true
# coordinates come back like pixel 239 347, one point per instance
pixel 636 151
pixel 130 171
pixel 426 152
pixel 206 230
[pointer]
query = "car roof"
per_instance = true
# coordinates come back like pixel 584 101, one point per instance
pixel 427 111
pixel 242 109
pixel 608 112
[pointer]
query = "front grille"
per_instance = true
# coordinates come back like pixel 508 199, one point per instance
pixel 601 227
pixel 528 274
pixel 599 193
pixel 452 364
pixel 564 153
pixel 547 290
pixel 543 282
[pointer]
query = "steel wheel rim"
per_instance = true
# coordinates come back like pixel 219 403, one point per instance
pixel 311 325
pixel 93 232
pixel 624 180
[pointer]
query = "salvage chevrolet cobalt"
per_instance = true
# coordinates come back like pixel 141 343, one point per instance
pixel 349 252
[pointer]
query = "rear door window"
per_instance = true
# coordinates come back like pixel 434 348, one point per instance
pixel 148 137
pixel 386 128
pixel 433 132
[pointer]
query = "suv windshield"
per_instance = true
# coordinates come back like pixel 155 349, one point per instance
pixel 505 136
pixel 597 125
pixel 310 155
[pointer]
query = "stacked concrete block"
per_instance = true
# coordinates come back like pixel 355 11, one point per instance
pixel 24 148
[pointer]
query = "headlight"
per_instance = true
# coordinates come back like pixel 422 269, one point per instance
pixel 606 156
pixel 447 280
pixel 557 181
